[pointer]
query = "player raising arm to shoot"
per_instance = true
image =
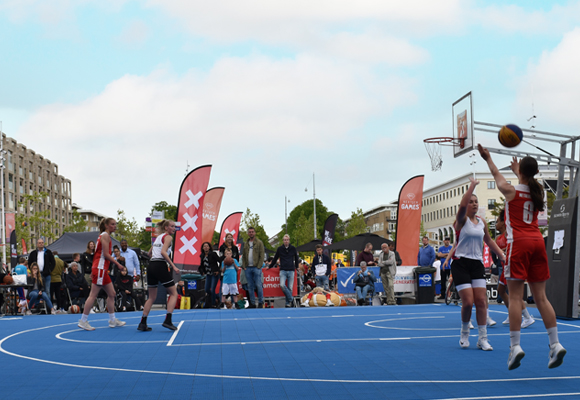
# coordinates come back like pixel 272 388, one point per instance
pixel 526 257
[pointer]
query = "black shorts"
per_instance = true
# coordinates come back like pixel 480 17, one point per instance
pixel 159 272
pixel 465 270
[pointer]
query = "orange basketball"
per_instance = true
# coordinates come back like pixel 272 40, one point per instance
pixel 8 280
pixel 74 309
pixel 228 261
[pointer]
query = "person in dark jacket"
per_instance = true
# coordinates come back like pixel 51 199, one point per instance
pixel 364 280
pixel 38 292
pixel 87 262
pixel 44 259
pixel 77 285
pixel 322 266
pixel 124 286
pixel 210 267
pixel 366 255
pixel 397 256
pixel 289 262
pixel 227 244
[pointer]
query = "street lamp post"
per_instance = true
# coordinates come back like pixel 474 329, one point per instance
pixel 286 201
pixel 2 159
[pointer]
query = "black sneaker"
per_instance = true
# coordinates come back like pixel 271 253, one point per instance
pixel 251 305
pixel 260 305
pixel 143 327
pixel 288 306
pixel 169 325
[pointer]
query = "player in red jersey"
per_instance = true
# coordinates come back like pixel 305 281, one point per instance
pixel 502 242
pixel 100 275
pixel 526 253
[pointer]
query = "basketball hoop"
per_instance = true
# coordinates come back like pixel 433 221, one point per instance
pixel 433 146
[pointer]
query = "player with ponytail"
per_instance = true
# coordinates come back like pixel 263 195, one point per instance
pixel 102 259
pixel 526 254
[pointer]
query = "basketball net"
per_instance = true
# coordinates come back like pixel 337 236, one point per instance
pixel 433 146
pixel 434 151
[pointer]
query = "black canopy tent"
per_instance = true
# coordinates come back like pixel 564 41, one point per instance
pixel 310 246
pixel 358 242
pixel 76 242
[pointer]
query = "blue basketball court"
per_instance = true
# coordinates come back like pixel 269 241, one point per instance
pixel 395 352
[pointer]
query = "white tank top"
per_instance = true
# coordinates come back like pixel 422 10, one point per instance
pixel 470 240
pixel 157 246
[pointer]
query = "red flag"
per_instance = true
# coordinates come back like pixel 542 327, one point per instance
pixel 230 225
pixel 211 209
pixel 187 245
pixel 409 220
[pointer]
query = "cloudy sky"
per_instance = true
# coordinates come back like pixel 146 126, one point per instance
pixel 124 95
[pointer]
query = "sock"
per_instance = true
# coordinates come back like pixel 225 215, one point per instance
pixel 84 318
pixel 553 335
pixel 168 318
pixel 482 331
pixel 526 314
pixel 111 316
pixel 309 296
pixel 514 338
pixel 328 296
pixel 488 313
pixel 465 327
pixel 144 320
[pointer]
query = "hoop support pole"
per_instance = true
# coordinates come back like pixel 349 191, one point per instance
pixel 563 161
pixel 532 131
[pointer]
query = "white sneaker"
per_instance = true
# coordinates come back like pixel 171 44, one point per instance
pixel 490 322
pixel 471 325
pixel 527 322
pixel 464 340
pixel 329 303
pixel 305 303
pixel 28 312
pixel 92 311
pixel 516 355
pixel 557 353
pixel 85 325
pixel 484 345
pixel 115 323
pixel 507 321
pixel 52 311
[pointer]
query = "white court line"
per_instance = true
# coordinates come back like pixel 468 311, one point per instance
pixel 260 378
pixel 370 324
pixel 175 334
pixel 517 396
pixel 60 337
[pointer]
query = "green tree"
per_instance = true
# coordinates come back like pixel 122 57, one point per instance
pixel 215 240
pixel 306 208
pixel 250 219
pixel 422 231
pixel 393 233
pixel 357 224
pixel 77 223
pixel 304 231
pixel 127 229
pixel 38 223
pixel 170 210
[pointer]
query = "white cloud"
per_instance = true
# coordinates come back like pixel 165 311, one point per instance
pixel 259 116
pixel 512 18
pixel 134 33
pixel 554 80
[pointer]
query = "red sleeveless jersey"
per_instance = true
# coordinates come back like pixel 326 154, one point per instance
pixel 501 241
pixel 99 260
pixel 521 217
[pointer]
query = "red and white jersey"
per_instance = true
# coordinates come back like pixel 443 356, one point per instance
pixel 157 247
pixel 99 260
pixel 521 217
pixel 501 241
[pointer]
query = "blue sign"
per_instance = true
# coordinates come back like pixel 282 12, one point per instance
pixel 424 280
pixel 344 277
pixel 192 285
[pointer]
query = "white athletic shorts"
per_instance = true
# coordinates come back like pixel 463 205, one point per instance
pixel 230 288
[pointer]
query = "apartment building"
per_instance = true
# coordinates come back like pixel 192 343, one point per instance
pixel 27 172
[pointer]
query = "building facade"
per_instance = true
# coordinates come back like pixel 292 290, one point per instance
pixel 440 203
pixel 381 220
pixel 92 218
pixel 27 172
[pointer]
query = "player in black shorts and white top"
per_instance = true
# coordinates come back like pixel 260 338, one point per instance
pixel 159 272
pixel 467 267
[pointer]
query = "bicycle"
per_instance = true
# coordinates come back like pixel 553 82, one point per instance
pixel 451 294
